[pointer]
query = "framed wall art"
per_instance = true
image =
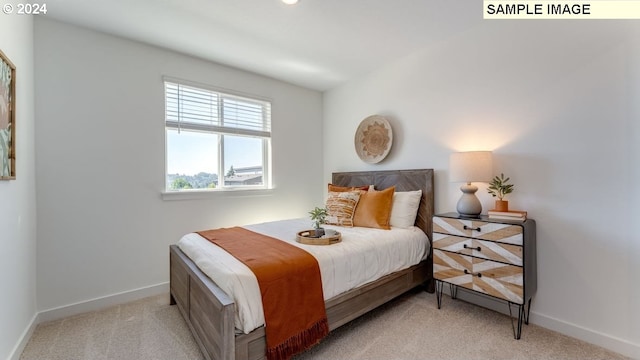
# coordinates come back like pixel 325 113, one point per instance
pixel 7 118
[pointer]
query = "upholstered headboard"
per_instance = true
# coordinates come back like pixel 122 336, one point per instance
pixel 404 180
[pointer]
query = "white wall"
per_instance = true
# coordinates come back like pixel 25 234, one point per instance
pixel 103 226
pixel 17 197
pixel 557 102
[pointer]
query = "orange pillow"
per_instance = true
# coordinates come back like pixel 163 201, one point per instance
pixel 374 209
pixel 337 188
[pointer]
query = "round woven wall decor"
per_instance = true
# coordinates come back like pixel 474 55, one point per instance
pixel 373 139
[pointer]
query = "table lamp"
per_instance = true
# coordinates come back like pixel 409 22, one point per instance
pixel 468 167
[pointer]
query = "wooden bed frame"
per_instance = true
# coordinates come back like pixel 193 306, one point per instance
pixel 210 313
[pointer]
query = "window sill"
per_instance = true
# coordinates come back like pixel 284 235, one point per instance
pixel 212 194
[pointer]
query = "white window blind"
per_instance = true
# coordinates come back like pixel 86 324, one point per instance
pixel 192 108
pixel 215 140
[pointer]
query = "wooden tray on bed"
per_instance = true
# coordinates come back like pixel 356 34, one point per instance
pixel 307 237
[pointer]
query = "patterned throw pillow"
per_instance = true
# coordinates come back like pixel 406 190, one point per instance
pixel 341 207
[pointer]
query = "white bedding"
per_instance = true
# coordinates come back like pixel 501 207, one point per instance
pixel 364 255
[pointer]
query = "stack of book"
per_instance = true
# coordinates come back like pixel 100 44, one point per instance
pixel 516 215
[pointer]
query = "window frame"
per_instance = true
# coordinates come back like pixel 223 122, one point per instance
pixel 220 131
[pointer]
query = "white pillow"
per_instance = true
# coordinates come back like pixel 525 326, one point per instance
pixel 405 208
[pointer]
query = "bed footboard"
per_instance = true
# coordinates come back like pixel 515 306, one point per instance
pixel 209 312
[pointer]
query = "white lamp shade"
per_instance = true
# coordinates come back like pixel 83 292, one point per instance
pixel 471 166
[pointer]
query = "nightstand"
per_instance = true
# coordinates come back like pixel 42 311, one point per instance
pixel 493 257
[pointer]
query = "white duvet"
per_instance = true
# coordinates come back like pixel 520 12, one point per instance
pixel 364 255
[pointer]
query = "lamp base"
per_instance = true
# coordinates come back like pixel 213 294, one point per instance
pixel 469 205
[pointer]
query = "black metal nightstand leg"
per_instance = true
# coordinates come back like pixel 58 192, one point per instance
pixel 517 329
pixel 439 286
pixel 453 289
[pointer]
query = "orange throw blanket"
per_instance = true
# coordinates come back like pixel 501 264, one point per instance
pixel 290 284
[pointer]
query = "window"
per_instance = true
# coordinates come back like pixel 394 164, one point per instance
pixel 215 140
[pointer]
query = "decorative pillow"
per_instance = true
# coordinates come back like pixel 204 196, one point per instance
pixel 341 207
pixel 337 188
pixel 374 209
pixel 405 208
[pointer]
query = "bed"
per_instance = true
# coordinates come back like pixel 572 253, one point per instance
pixel 210 312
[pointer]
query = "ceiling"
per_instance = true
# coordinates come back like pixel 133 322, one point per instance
pixel 317 44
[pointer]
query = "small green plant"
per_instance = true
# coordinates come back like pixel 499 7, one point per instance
pixel 318 216
pixel 498 187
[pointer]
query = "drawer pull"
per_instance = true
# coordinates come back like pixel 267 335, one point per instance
pixel 470 228
pixel 472 274
pixel 472 248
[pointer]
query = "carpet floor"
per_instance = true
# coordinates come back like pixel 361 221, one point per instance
pixel 410 327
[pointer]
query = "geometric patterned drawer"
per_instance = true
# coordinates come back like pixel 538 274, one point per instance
pixel 505 233
pixel 489 256
pixel 511 254
pixel 489 277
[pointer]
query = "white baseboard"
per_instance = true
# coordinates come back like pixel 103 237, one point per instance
pixel 24 339
pixel 102 302
pixel 622 346
pixel 83 307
